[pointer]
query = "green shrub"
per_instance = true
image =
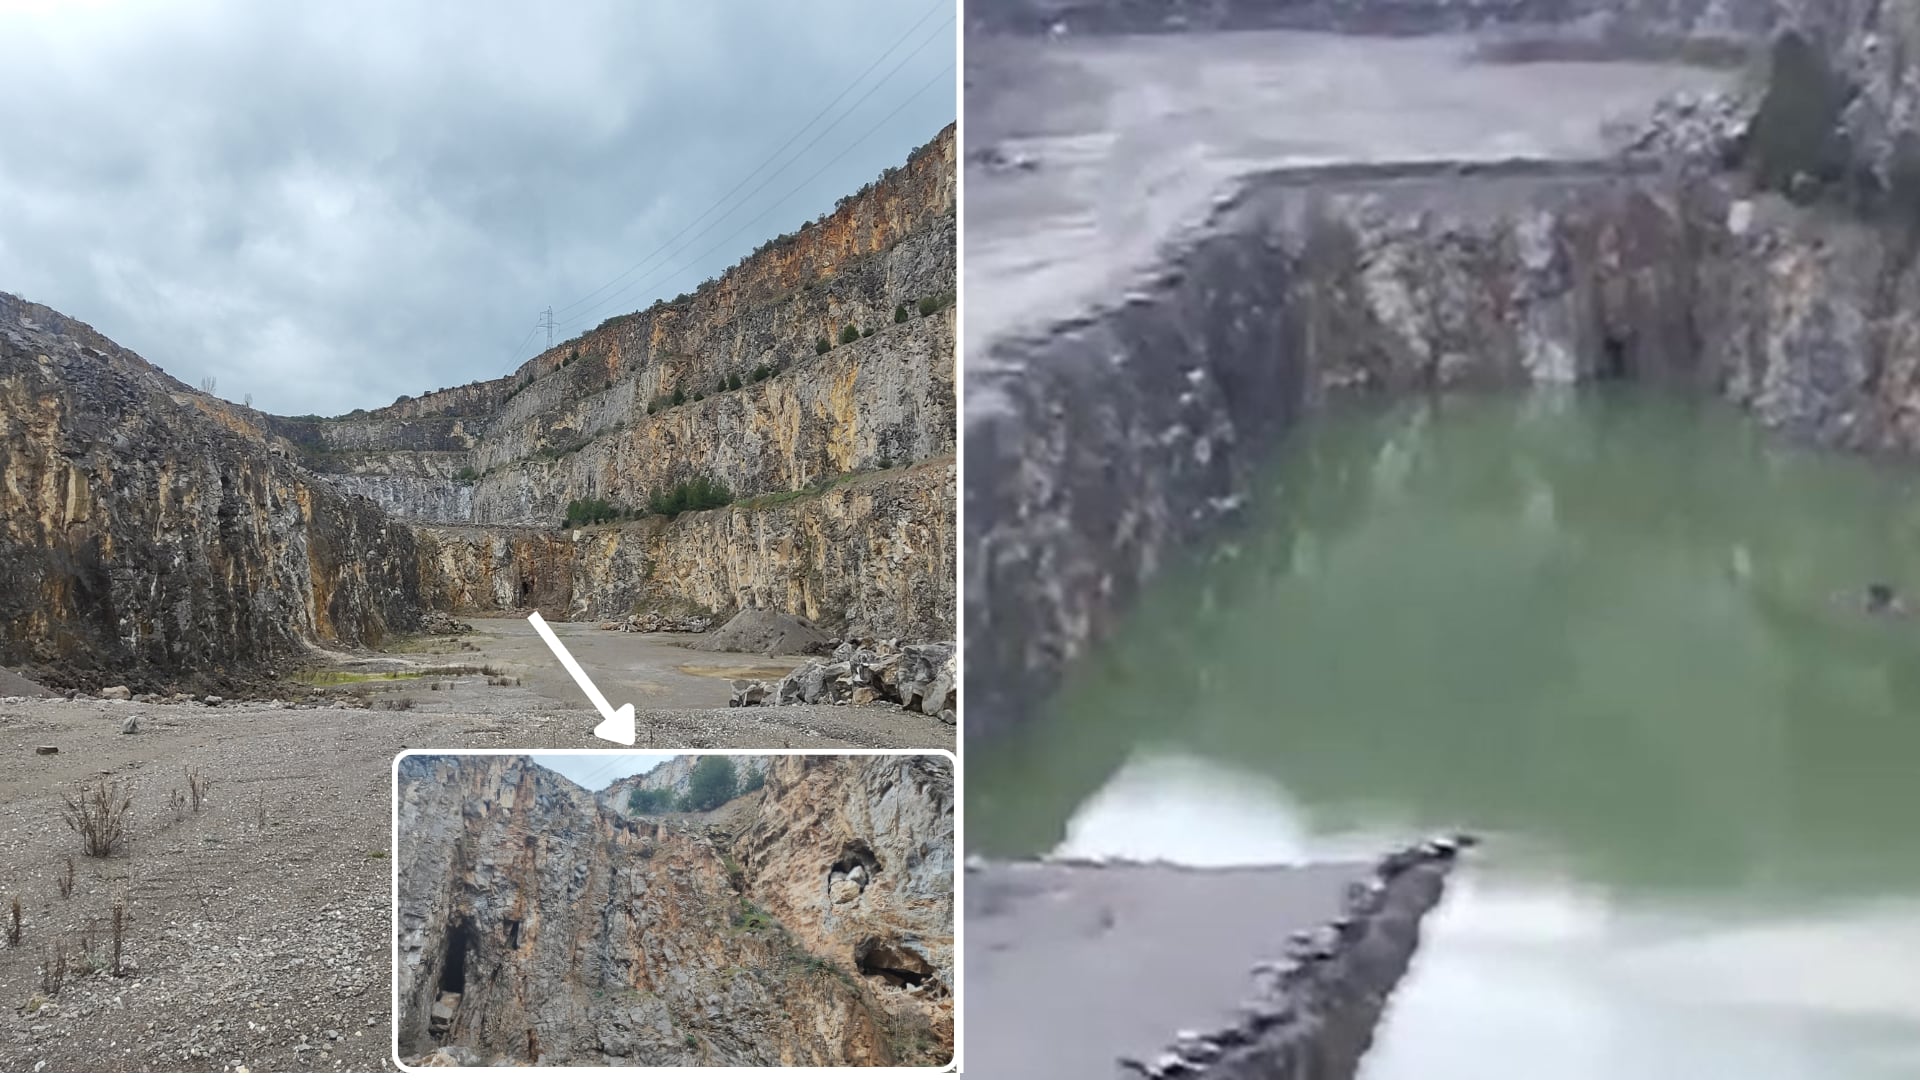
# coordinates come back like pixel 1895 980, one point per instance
pixel 700 396
pixel 721 388
pixel 466 475
pixel 821 346
pixel 700 493
pixel 900 313
pixel 592 512
pixel 713 782
pixel 652 407
pixel 679 396
pixel 755 779
pixel 649 801
pixel 733 382
pixel 761 373
pixel 849 333
pixel 868 332
pixel 1797 128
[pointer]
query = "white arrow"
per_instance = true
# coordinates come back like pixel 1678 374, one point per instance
pixel 616 725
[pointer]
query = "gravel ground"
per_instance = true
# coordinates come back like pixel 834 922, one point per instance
pixel 257 931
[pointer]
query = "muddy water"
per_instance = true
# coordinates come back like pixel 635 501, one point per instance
pixel 1621 637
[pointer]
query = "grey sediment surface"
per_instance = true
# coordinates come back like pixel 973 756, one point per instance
pixel 1267 972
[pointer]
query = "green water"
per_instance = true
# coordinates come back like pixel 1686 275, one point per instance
pixel 1618 634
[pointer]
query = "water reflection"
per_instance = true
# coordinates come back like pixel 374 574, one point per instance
pixel 1618 633
pixel 1525 975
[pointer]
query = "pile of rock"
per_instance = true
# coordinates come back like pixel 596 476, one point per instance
pixel 654 622
pixel 1710 129
pixel 441 624
pixel 921 678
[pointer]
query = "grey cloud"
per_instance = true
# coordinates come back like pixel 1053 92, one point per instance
pixel 330 205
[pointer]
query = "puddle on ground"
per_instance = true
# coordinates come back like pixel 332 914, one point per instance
pixel 736 671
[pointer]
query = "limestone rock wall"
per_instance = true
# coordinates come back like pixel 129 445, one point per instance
pixel 873 555
pixel 575 421
pixel 807 443
pixel 883 400
pixel 145 533
pixel 573 935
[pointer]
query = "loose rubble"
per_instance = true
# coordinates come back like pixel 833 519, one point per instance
pixel 1704 129
pixel 654 622
pixel 440 624
pixel 919 678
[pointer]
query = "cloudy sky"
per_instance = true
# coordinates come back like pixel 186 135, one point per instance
pixel 325 206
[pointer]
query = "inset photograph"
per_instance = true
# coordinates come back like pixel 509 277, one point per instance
pixel 619 909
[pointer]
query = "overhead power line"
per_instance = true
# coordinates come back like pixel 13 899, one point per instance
pixel 938 5
pixel 945 74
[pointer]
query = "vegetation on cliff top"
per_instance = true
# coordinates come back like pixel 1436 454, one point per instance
pixel 714 783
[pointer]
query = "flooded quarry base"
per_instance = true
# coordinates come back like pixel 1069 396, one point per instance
pixel 1625 635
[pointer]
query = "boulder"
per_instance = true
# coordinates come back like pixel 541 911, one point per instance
pixel 116 693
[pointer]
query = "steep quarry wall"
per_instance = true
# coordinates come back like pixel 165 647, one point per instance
pixel 883 400
pixel 1118 437
pixel 805 441
pixel 873 555
pixel 145 533
pixel 569 934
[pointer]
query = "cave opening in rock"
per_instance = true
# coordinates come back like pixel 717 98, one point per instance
pixel 1616 360
pixel 453 974
pixel 856 853
pixel 513 933
pixel 897 964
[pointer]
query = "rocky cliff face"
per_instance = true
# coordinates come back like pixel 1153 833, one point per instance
pixel 145 531
pixel 761 410
pixel 1307 288
pixel 1123 435
pixel 538 927
pixel 872 555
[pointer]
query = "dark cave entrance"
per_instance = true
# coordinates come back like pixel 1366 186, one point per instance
pixel 1616 360
pixel 856 853
pixel 891 961
pixel 513 933
pixel 453 974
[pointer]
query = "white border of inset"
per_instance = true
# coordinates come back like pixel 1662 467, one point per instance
pixel 959 952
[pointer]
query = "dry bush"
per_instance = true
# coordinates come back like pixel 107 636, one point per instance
pixel 13 925
pixel 53 968
pixel 260 811
pixel 197 787
pixel 100 815
pixel 64 880
pixel 119 933
pixel 178 804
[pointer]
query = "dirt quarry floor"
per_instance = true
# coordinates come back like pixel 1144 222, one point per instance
pixel 257 927
pixel 1131 138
